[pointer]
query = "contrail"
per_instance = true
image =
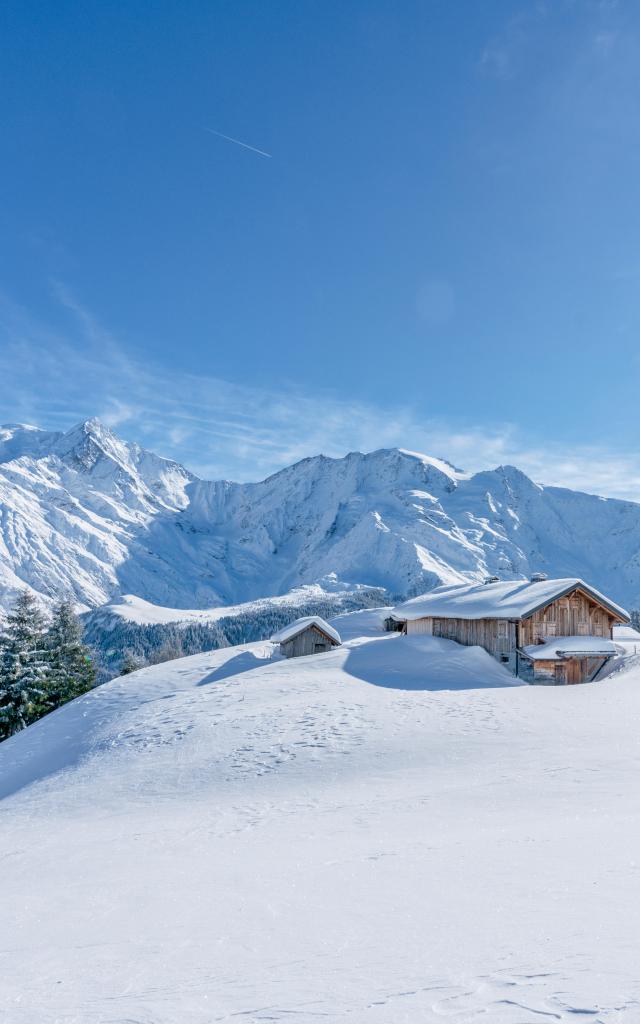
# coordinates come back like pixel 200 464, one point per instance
pixel 238 143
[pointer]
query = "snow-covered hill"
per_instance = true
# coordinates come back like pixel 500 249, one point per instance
pixel 392 832
pixel 86 513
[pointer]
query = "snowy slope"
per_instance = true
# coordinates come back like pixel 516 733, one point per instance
pixel 389 833
pixel 140 628
pixel 87 513
pixel 129 608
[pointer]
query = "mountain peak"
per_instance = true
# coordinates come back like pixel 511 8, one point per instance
pixel 88 442
pixel 443 465
pixel 92 427
pixel 88 511
pixel 18 439
pixel 13 427
pixel 392 464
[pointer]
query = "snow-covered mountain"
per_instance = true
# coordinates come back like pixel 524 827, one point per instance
pixel 87 513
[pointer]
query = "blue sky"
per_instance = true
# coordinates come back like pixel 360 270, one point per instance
pixel 441 251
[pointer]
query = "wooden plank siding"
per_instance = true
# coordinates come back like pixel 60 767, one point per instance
pixel 575 614
pixel 498 636
pixel 573 670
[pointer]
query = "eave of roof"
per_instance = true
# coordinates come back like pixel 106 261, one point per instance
pixel 594 595
pixel 563 648
pixel 301 625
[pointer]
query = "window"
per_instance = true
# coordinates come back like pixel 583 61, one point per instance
pixel 503 636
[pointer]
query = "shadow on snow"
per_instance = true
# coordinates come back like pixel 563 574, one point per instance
pixel 243 662
pixel 426 663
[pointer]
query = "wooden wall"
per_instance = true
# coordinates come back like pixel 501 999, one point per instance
pixel 572 670
pixel 310 641
pixel 498 636
pixel 574 615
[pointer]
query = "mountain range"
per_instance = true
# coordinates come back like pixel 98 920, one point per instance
pixel 85 513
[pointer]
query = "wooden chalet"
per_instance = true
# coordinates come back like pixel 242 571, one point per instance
pixel 309 635
pixel 544 631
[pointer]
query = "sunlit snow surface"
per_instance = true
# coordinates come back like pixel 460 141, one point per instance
pixel 391 832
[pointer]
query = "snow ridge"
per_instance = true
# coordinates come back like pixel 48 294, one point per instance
pixel 88 514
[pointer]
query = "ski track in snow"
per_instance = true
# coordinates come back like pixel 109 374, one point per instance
pixel 388 833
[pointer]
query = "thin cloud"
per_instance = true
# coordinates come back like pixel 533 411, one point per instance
pixel 116 413
pixel 245 145
pixel 522 43
pixel 502 56
pixel 221 429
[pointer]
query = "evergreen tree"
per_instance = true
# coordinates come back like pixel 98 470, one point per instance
pixel 171 649
pixel 23 665
pixel 70 669
pixel 130 663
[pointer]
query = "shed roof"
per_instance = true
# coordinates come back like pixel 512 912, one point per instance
pixel 299 626
pixel 510 599
pixel 560 647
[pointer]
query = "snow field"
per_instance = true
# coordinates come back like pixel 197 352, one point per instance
pixel 395 831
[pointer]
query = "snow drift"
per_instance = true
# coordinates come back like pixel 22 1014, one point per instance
pixel 391 832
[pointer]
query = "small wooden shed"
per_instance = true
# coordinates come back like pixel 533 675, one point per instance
pixel 309 635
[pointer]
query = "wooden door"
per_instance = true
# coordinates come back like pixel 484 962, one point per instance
pixel 574 670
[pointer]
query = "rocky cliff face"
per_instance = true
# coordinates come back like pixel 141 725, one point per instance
pixel 86 513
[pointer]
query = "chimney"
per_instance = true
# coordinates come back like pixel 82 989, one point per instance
pixel 491 579
pixel 538 577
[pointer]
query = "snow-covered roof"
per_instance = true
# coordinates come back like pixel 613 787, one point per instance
pixel 509 599
pixel 559 647
pixel 299 626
